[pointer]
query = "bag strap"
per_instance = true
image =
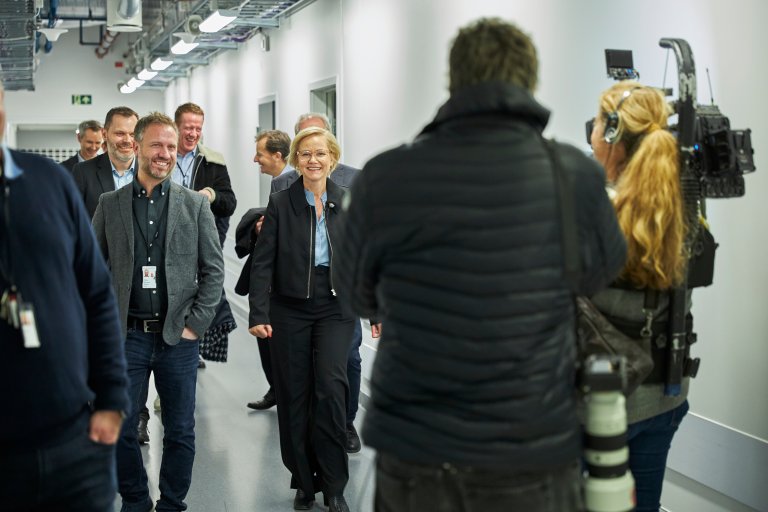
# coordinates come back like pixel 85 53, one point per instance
pixel 568 228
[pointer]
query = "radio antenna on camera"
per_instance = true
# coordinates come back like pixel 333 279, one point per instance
pixel 711 94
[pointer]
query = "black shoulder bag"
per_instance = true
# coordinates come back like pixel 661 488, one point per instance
pixel 595 334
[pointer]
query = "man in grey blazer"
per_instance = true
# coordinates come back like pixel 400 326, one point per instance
pixel 161 243
pixel 116 167
pixel 343 176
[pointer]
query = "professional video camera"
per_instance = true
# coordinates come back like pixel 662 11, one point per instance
pixel 717 156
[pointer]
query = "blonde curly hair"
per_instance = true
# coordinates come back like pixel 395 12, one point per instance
pixel 648 199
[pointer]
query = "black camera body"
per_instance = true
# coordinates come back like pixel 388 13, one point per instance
pixel 721 156
pixel 718 156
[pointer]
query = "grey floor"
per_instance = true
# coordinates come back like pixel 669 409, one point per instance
pixel 237 463
pixel 238 467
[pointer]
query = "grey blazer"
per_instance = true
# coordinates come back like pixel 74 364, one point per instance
pixel 93 177
pixel 194 266
pixel 343 176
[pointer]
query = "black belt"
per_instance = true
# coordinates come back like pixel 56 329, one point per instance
pixel 153 326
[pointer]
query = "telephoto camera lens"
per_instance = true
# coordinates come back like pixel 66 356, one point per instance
pixel 609 486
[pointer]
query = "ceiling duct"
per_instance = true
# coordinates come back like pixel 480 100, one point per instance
pixel 17 44
pixel 124 15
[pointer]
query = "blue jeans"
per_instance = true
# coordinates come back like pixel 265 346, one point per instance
pixel 649 442
pixel 354 371
pixel 175 369
pixel 74 474
pixel 402 486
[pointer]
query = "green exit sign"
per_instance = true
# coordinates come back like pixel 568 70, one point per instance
pixel 81 99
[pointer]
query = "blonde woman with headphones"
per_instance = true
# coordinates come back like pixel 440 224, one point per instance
pixel 630 138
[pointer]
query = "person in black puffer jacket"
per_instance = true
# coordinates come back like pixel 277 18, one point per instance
pixel 454 242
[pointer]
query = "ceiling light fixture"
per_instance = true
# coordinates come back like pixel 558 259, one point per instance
pixel 52 34
pixel 218 19
pixel 182 48
pixel 146 74
pixel 126 89
pixel 135 83
pixel 185 45
pixel 160 65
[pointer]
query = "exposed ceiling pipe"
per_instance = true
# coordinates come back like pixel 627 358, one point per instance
pixel 105 43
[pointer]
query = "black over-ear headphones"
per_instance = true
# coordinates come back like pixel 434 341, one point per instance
pixel 611 133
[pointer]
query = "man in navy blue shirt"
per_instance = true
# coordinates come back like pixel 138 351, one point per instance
pixel 62 364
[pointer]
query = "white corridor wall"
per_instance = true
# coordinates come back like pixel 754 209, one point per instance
pixel 390 60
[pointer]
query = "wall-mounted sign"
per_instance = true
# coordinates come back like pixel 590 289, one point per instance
pixel 82 99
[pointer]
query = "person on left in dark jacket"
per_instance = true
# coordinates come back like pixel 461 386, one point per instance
pixel 63 373
pixel 161 243
pixel 293 302
pixel 90 137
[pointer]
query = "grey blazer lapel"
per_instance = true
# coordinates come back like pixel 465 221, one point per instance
pixel 174 210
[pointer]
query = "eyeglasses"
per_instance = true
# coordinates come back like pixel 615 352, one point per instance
pixel 307 155
pixel 590 126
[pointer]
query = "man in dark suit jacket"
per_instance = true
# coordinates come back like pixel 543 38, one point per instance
pixel 161 243
pixel 90 138
pixel 113 169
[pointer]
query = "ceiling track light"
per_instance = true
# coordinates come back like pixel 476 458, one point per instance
pixel 218 19
pixel 135 83
pixel 182 48
pixel 52 34
pixel 160 65
pixel 146 74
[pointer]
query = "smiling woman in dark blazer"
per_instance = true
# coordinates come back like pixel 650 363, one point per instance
pixel 293 302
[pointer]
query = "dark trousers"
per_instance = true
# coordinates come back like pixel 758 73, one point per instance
pixel 175 369
pixel 310 343
pixel 649 442
pixel 266 360
pixel 74 474
pixel 354 370
pixel 405 487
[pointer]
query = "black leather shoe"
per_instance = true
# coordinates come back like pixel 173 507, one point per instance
pixel 265 403
pixel 353 440
pixel 337 504
pixel 143 430
pixel 303 501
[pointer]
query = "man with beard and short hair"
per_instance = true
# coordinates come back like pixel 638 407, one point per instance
pixel 113 169
pixel 90 136
pixel 168 273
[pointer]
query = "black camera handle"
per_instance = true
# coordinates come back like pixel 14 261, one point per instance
pixel 691 190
